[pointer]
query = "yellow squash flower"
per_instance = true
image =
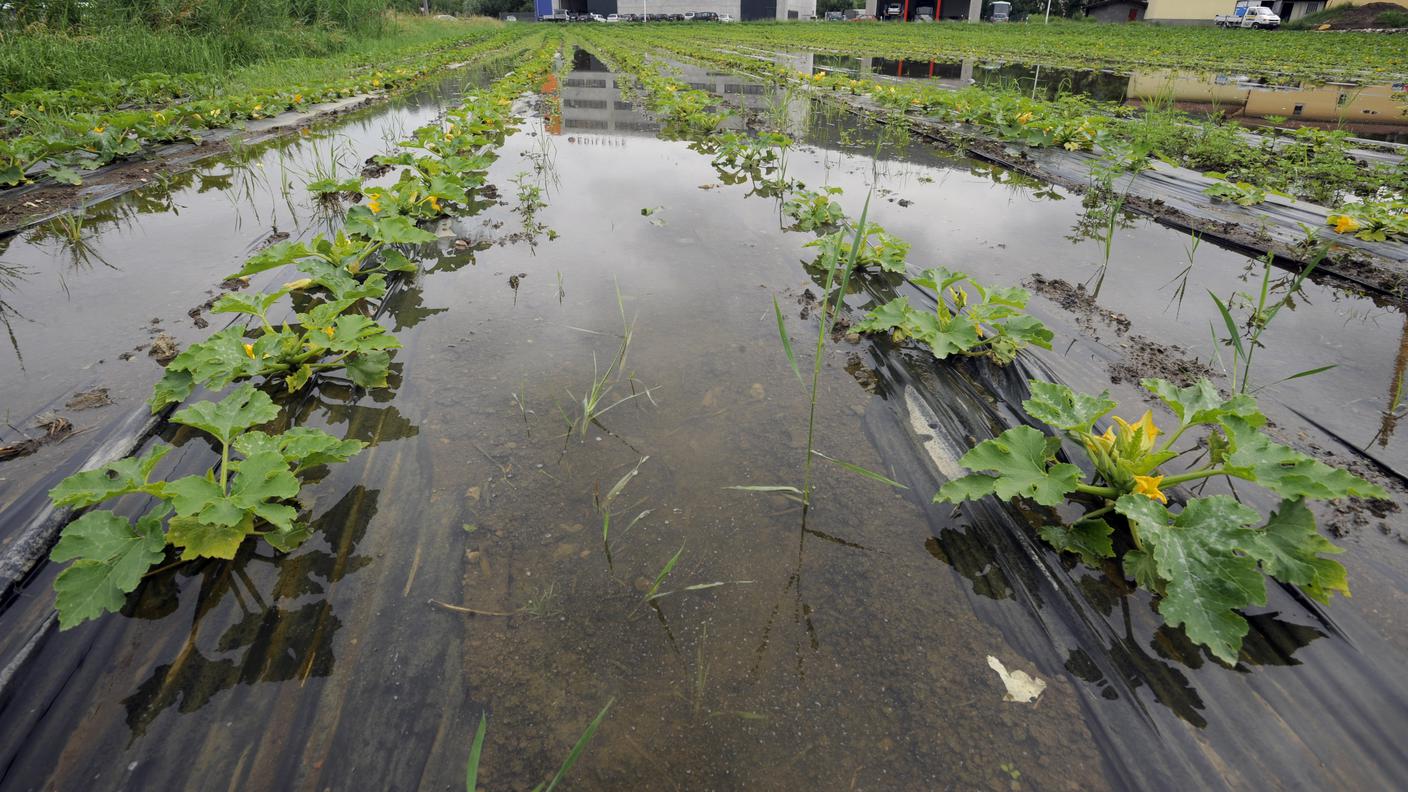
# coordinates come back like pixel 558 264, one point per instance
pixel 249 350
pixel 1147 436
pixel 435 203
pixel 98 130
pixel 1104 443
pixel 1344 224
pixel 374 204
pixel 1024 117
pixel 1148 486
pixel 329 331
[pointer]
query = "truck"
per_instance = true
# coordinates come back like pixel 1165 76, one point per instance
pixel 1001 12
pixel 1246 15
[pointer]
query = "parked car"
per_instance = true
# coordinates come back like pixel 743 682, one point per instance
pixel 706 16
pixel 863 18
pixel 613 17
pixel 725 18
pixel 834 16
pixel 894 10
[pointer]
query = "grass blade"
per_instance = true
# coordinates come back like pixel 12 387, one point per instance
pixel 1233 336
pixel 786 342
pixel 660 578
pixel 577 749
pixel 764 488
pixel 860 471
pixel 471 773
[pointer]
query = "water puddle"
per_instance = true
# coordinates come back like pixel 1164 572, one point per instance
pixel 855 647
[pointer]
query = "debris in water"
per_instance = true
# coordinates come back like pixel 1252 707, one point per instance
pixel 1021 686
pixel 55 426
pixel 90 399
pixel 164 348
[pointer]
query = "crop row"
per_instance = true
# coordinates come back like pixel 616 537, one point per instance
pixel 79 136
pixel 1309 55
pixel 253 490
pixel 1311 164
pixel 1207 560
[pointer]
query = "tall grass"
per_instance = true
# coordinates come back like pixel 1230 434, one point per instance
pixel 218 37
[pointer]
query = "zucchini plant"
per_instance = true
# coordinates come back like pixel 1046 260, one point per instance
pixel 1207 560
pixel 968 319
pixel 251 492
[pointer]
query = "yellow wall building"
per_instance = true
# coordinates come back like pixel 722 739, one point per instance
pixel 1201 12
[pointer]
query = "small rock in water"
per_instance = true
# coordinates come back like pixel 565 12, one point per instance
pixel 642 585
pixel 757 391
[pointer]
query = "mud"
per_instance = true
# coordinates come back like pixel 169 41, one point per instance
pixel 1082 304
pixel 1145 357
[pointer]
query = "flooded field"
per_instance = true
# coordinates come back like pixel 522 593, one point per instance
pixel 497 550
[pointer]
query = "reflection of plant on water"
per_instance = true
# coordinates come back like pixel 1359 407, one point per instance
pixel 262 640
pixel 10 277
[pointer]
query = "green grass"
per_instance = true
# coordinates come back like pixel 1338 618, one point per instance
pixel 236 58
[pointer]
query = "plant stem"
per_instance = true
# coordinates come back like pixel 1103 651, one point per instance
pixel 1092 489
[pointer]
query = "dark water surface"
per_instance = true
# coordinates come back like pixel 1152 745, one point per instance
pixel 849 650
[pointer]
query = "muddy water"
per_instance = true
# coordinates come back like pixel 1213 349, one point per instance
pixel 849 651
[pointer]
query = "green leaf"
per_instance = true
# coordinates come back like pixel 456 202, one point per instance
pixel 200 539
pixel 892 314
pixel 1060 407
pixel 89 487
pixel 217 361
pixel 1284 470
pixel 1289 549
pixel 398 229
pixel 1028 329
pixel 1196 555
pixel 174 386
pixel 664 572
pixel 1201 403
pixel 111 556
pixel 576 750
pixel 246 406
pixel 301 446
pixel 1140 566
pixel 357 333
pixel 786 342
pixel 860 471
pixel 1019 457
pixel 276 255
pixel 970 487
pixel 959 336
pixel 1089 539
pixel 288 540
pixel 369 369
pixel 471 777
pixel 252 304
